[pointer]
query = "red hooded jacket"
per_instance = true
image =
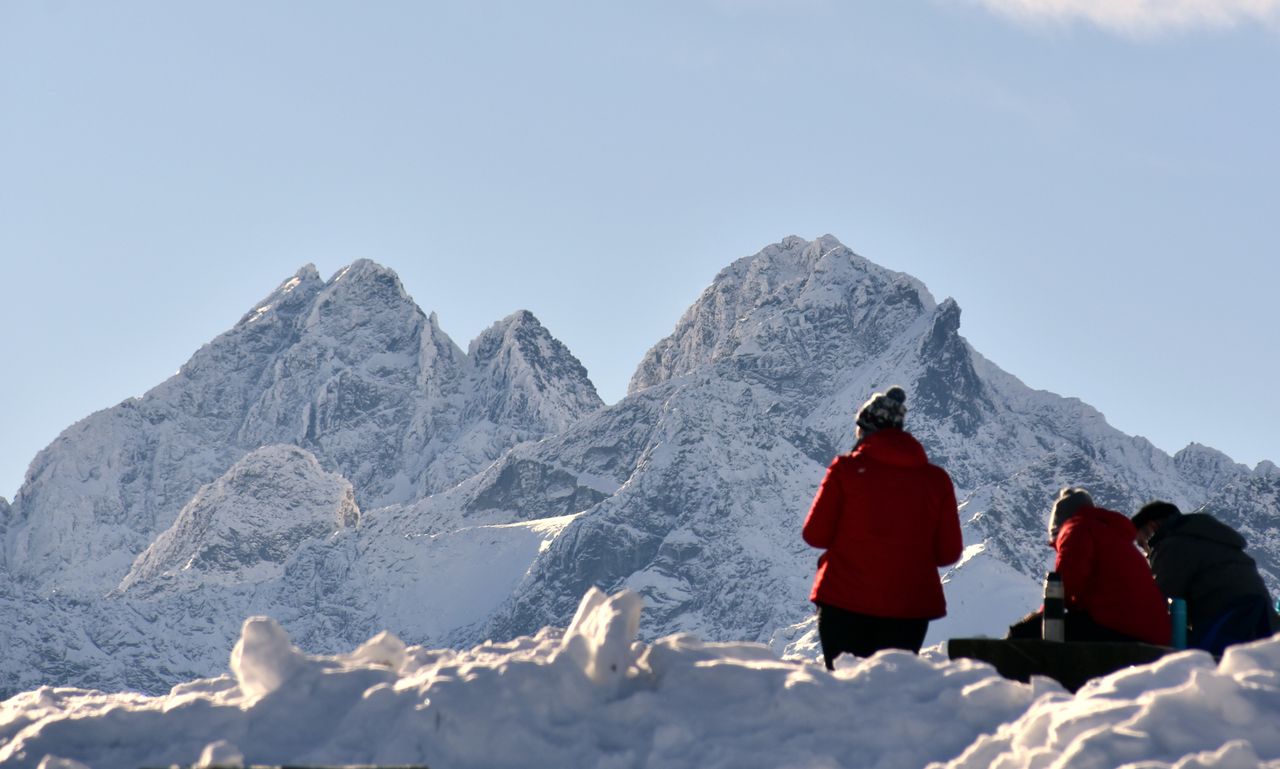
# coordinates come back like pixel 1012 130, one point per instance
pixel 887 519
pixel 1105 575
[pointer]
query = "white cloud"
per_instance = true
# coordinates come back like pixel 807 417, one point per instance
pixel 1143 16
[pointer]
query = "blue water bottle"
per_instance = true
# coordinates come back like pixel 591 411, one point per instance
pixel 1178 617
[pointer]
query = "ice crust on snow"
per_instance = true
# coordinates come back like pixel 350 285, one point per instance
pixel 594 695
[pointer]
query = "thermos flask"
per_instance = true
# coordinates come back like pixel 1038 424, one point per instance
pixel 1055 609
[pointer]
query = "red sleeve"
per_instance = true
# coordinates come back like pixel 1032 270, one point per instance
pixel 820 525
pixel 1075 554
pixel 948 543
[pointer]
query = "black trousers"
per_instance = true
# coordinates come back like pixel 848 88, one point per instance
pixel 1078 626
pixel 862 635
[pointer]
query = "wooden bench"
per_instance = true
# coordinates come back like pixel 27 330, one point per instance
pixel 1070 664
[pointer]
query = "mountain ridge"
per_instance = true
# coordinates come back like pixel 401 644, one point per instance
pixel 490 488
pixel 350 369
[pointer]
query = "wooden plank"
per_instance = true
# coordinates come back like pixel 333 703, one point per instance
pixel 1071 664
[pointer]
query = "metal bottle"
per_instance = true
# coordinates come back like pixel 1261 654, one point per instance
pixel 1053 627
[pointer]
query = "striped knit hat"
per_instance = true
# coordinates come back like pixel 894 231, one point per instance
pixel 886 409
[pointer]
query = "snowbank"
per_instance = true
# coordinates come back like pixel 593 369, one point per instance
pixel 592 695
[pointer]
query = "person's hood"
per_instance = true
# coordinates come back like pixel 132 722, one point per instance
pixel 1201 526
pixel 893 447
pixel 1109 519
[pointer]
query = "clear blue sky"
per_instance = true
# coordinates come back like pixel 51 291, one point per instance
pixel 1094 182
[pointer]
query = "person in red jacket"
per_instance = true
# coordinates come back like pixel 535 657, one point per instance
pixel 1110 593
pixel 887 520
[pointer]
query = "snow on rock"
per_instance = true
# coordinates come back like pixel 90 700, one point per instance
pixel 350 369
pixel 243 527
pixel 525 377
pixel 594 696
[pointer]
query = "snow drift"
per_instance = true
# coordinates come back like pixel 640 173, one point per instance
pixel 592 695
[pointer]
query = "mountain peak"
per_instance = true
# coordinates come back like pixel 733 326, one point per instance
pixel 288 298
pixel 796 304
pixel 245 525
pixel 367 282
pixel 950 387
pixel 526 376
pixel 500 333
pixel 364 269
pixel 1207 466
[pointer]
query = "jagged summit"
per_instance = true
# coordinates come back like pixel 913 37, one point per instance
pixel 350 369
pixel 292 293
pixel 794 304
pixel 1208 466
pixel 950 389
pixel 524 376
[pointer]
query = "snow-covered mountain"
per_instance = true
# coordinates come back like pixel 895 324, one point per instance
pixel 349 369
pixel 749 399
pixel 489 490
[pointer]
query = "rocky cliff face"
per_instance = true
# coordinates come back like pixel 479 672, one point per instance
pixel 452 497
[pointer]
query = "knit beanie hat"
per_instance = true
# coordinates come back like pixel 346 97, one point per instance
pixel 886 409
pixel 1070 500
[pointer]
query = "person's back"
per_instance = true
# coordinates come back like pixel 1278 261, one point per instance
pixel 888 521
pixel 1201 560
pixel 1105 576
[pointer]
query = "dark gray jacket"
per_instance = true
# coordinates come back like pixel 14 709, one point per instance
pixel 1200 559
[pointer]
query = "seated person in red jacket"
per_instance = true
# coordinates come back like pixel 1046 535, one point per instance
pixel 1110 594
pixel 887 520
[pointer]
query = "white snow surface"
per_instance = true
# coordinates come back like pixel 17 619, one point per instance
pixel 593 695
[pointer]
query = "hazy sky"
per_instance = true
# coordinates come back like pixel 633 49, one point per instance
pixel 1094 181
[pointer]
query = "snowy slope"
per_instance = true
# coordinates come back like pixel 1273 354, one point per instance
pixel 276 535
pixel 490 489
pixel 592 695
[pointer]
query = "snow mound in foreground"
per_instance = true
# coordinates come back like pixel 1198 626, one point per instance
pixel 592 695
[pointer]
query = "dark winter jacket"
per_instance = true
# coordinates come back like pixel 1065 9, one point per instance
pixel 1200 559
pixel 1104 575
pixel 887 519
